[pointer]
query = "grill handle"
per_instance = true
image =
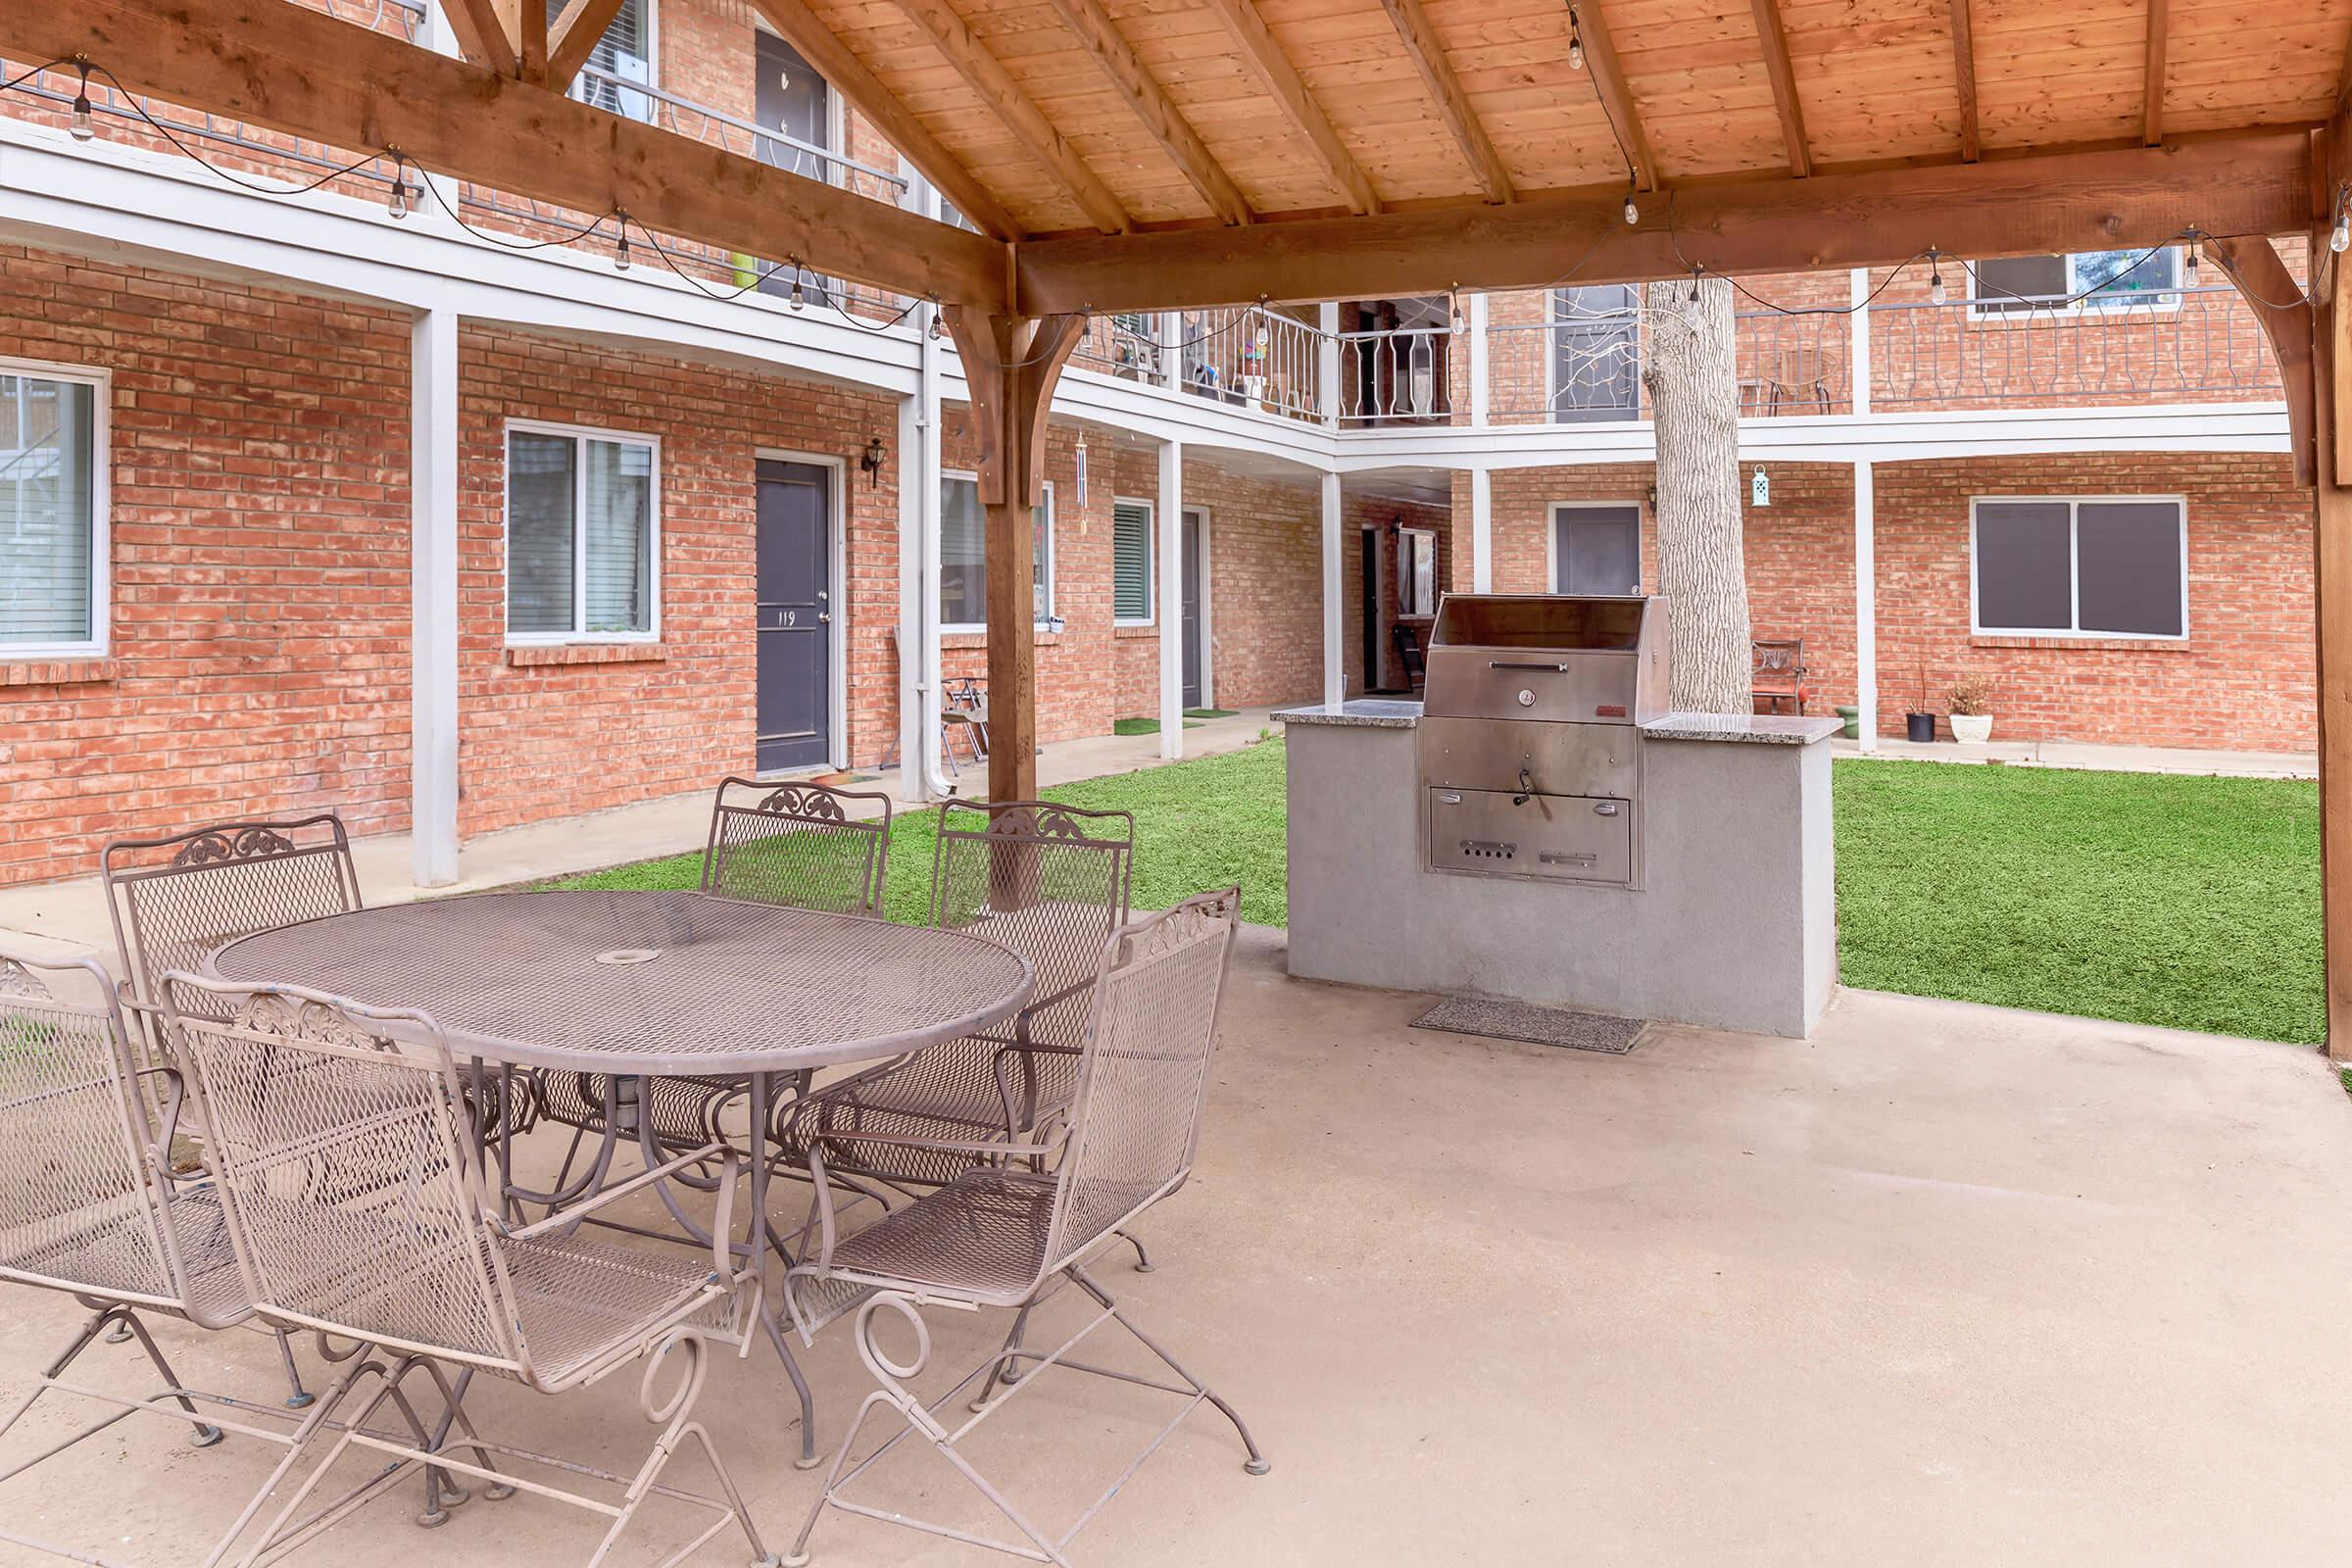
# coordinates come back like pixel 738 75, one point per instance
pixel 1513 664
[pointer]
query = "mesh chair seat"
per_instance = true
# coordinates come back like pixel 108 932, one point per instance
pixel 981 1237
pixel 103 1249
pixel 582 1303
pixel 949 1093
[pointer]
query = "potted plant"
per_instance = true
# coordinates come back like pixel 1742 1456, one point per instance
pixel 1972 710
pixel 1918 724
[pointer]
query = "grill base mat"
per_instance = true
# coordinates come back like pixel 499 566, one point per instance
pixel 1536 1026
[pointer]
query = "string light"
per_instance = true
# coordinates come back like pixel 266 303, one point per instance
pixel 938 330
pixel 398 202
pixel 84 126
pixel 1575 42
pixel 1460 325
pixel 2189 263
pixel 620 253
pixel 1935 290
pixel 797 302
pixel 1691 305
pixel 1633 209
pixel 2339 238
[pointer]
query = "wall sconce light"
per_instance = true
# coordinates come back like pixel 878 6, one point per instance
pixel 1653 497
pixel 870 462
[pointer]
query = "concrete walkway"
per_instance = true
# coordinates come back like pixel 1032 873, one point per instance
pixel 2102 759
pixel 1945 1284
pixel 70 916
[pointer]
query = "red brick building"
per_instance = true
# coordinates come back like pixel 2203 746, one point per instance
pixel 307 505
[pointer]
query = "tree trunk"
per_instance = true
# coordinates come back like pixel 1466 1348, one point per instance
pixel 1688 369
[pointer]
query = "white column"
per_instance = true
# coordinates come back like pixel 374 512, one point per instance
pixel 1168 518
pixel 1334 666
pixel 1171 349
pixel 1482 532
pixel 434 596
pixel 1327 362
pixel 913 582
pixel 1479 362
pixel 1866 604
pixel 1859 375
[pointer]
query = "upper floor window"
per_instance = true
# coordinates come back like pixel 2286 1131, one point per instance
pixel 2084 280
pixel 2116 566
pixel 624 55
pixel 1131 563
pixel 53 550
pixel 582 536
pixel 963 555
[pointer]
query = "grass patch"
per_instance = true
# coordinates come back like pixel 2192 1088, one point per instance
pixel 2188 901
pixel 1198 825
pixel 1141 726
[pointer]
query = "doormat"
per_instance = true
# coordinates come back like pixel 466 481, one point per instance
pixel 1537 1026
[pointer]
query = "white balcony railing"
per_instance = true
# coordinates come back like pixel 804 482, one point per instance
pixel 1253 358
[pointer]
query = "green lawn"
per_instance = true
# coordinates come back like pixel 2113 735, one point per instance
pixel 2189 902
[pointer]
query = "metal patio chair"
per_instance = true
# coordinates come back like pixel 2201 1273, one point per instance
pixel 1012 1232
pixel 308 1100
pixel 1777 674
pixel 1049 881
pixel 88 1207
pixel 795 845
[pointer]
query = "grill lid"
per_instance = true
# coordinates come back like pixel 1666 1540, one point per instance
pixel 1594 658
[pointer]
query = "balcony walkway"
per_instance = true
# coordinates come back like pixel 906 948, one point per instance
pixel 1944 1285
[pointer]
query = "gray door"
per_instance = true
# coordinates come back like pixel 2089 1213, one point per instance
pixel 1597 550
pixel 1191 609
pixel 789 96
pixel 796 615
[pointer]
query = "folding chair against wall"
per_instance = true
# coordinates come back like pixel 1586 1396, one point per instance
pixel 310 1103
pixel 1014 1231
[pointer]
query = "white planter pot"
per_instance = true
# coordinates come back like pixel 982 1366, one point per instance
pixel 1972 729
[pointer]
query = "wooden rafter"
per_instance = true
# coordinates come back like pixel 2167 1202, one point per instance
pixel 2252 183
pixel 1775 39
pixel 1100 38
pixel 2159 22
pixel 963 49
pixel 1428 54
pixel 2253 264
pixel 289 69
pixel 847 75
pixel 1964 73
pixel 1281 79
pixel 489 33
pixel 574 37
pixel 1616 94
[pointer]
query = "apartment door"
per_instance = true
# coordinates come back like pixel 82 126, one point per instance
pixel 790 97
pixel 1595 353
pixel 1367 570
pixel 795 616
pixel 1596 550
pixel 1193 566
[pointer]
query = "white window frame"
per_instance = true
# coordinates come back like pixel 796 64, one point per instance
pixel 1552 536
pixel 580 524
pixel 101 385
pixel 1150 561
pixel 1052 563
pixel 2165 300
pixel 579 89
pixel 2073 566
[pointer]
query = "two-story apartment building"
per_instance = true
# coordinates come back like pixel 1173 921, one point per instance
pixel 711 513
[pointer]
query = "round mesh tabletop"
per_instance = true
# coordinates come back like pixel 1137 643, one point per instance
pixel 649 983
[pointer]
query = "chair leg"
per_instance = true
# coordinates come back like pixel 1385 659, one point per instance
pixel 675 1415
pixel 1142 1259
pixel 301 1398
pixel 1258 1463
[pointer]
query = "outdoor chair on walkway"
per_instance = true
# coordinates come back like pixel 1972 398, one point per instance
pixel 309 1101
pixel 1050 882
pixel 794 845
pixel 1778 673
pixel 1011 1232
pixel 88 1207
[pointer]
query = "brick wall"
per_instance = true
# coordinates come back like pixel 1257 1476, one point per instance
pixel 2242 678
pixel 259 470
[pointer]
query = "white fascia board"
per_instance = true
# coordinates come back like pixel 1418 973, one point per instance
pixel 164 212
pixel 1161 415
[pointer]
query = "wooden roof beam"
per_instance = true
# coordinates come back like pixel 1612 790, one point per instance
pixel 1428 56
pixel 2254 184
pixel 1964 73
pixel 1100 38
pixel 1281 79
pixel 1616 94
pixel 847 74
pixel 961 48
pixel 574 37
pixel 2153 96
pixel 489 33
pixel 1775 38
pixel 290 68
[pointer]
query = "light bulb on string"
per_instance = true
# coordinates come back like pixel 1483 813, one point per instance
pixel 798 300
pixel 1575 42
pixel 938 330
pixel 1459 324
pixel 1633 210
pixel 83 124
pixel 2339 238
pixel 398 202
pixel 2191 267
pixel 1692 302
pixel 1935 290
pixel 620 251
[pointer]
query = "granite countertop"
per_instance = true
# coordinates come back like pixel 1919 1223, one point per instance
pixel 1362 712
pixel 1389 713
pixel 1769 729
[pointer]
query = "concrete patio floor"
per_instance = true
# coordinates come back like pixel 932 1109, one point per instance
pixel 1946 1283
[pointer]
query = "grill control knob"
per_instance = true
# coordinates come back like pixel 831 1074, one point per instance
pixel 1527 699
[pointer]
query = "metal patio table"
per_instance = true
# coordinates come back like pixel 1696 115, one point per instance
pixel 631 985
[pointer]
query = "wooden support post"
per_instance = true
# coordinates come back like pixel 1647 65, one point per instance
pixel 1011 363
pixel 2331 465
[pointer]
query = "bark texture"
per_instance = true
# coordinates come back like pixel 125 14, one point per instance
pixel 1690 369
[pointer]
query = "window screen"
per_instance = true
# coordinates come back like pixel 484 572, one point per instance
pixel 2089 279
pixel 48 512
pixel 2109 569
pixel 963 554
pixel 542 484
pixel 1596 550
pixel 579 536
pixel 1131 561
pixel 625 52
pixel 2019 282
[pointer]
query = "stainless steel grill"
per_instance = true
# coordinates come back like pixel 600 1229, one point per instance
pixel 1530 738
